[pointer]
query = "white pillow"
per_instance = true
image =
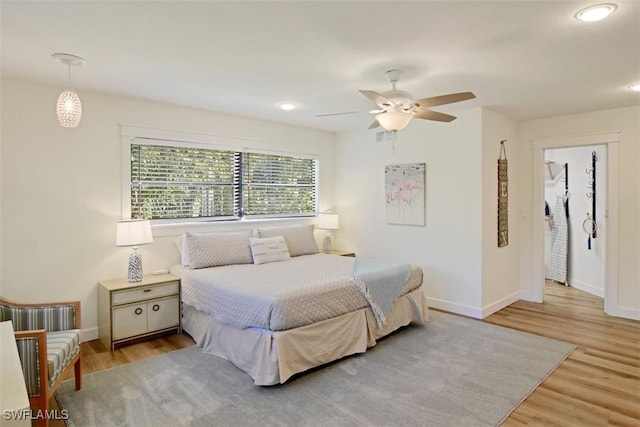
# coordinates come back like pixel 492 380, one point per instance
pixel 181 244
pixel 299 238
pixel 215 249
pixel 269 249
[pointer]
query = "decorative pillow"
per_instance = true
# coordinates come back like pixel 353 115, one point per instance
pixel 215 249
pixel 299 238
pixel 269 249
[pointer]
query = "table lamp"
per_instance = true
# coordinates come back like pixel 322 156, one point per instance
pixel 328 221
pixel 134 233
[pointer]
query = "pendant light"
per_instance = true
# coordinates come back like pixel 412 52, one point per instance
pixel 69 107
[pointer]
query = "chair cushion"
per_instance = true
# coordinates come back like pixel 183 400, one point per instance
pixel 62 346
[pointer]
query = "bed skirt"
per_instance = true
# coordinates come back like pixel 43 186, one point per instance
pixel 272 357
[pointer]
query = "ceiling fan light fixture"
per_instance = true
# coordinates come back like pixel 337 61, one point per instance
pixel 635 87
pixel 596 12
pixel 394 120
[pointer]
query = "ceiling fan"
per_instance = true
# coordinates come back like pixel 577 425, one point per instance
pixel 397 107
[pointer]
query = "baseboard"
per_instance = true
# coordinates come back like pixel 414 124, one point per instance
pixel 89 334
pixel 500 304
pixel 529 296
pixel 627 313
pixel 469 311
pixel 586 287
pixel 464 310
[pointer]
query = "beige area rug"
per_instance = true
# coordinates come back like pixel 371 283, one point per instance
pixel 452 371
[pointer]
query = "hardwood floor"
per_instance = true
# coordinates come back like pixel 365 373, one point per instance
pixel 597 385
pixel 96 357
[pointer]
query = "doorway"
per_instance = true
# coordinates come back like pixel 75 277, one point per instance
pixel 575 194
pixel 609 217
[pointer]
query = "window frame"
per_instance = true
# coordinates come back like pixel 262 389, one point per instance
pixel 133 135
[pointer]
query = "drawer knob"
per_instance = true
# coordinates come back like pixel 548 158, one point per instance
pixel 156 307
pixel 147 290
pixel 138 311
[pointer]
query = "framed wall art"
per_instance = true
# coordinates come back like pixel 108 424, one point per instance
pixel 405 193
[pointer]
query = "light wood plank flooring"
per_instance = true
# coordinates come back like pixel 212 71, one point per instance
pixel 598 385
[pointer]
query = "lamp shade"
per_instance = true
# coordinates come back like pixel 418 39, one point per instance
pixel 133 233
pixel 393 120
pixel 328 221
pixel 69 109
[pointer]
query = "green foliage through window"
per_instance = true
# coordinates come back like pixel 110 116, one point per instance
pixel 177 182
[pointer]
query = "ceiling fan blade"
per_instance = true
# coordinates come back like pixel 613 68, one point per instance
pixel 377 98
pixel 433 115
pixel 374 125
pixel 340 114
pixel 444 99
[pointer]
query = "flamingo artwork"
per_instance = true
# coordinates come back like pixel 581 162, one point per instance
pixel 405 193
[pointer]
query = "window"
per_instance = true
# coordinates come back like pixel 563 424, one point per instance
pixel 277 185
pixel 186 182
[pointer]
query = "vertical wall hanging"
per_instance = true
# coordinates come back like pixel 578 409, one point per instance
pixel 503 197
pixel 589 225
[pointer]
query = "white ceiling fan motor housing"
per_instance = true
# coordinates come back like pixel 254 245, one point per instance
pixel 402 100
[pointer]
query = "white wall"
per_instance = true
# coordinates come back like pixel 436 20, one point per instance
pixel 627 122
pixel 585 267
pixel 449 247
pixel 465 271
pixel 61 188
pixel 500 264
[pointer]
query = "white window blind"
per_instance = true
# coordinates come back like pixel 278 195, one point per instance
pixel 186 183
pixel 181 182
pixel 275 185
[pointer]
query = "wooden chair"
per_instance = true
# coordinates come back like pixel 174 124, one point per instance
pixel 48 340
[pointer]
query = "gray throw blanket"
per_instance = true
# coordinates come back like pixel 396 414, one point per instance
pixel 381 283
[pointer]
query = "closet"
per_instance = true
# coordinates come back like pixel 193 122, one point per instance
pixel 574 225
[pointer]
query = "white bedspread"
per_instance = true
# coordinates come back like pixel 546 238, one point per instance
pixel 278 295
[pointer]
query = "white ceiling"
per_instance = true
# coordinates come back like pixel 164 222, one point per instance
pixel 525 59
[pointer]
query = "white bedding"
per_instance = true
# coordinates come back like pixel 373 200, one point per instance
pixel 279 295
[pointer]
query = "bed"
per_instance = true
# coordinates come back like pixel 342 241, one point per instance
pixel 268 302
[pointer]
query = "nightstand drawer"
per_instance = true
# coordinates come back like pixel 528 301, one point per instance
pixel 143 293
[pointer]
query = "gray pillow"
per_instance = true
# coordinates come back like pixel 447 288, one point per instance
pixel 215 249
pixel 299 238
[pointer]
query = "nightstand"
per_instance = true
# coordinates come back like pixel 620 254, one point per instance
pixel 131 311
pixel 343 253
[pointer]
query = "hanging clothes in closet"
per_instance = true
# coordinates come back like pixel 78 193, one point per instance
pixel 560 235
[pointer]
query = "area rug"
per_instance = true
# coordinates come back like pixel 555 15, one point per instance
pixel 451 371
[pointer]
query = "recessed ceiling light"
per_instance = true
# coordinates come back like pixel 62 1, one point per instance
pixel 635 87
pixel 287 106
pixel 596 13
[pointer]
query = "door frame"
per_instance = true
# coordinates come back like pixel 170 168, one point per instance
pixel 539 145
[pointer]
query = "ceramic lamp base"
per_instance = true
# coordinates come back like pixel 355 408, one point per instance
pixel 327 242
pixel 135 266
